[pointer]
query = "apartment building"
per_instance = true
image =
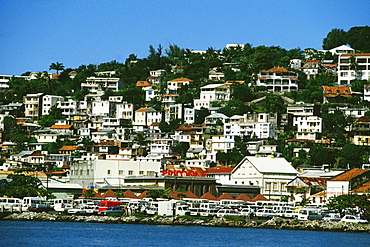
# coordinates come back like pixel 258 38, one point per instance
pixel 353 67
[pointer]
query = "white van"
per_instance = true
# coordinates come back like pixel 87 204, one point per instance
pixel 35 204
pixel 10 204
pixel 309 214
pixel 62 205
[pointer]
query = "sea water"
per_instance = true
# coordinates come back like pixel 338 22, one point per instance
pixel 33 233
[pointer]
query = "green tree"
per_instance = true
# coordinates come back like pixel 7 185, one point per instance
pixel 336 37
pixel 89 193
pixel 344 202
pixel 274 103
pixel 155 194
pixel 118 194
pixel 353 155
pixel 359 38
pixel 19 186
pixel 56 66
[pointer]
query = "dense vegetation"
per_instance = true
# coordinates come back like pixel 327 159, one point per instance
pixel 237 63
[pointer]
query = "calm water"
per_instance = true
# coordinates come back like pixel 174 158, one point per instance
pixel 26 233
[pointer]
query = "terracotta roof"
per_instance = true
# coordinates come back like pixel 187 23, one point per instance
pixel 314 181
pixel 243 197
pixel 363 119
pixel 182 79
pixel 277 70
pixel 68 148
pixel 313 61
pixel 142 109
pixel 221 170
pixel 260 198
pixel 356 55
pixel 143 194
pixel 347 176
pixel 363 188
pixel 129 194
pixel 55 126
pixel 334 91
pixel 188 194
pixel 143 84
pixel 208 196
pixel 225 196
pixel 319 194
pixel 108 193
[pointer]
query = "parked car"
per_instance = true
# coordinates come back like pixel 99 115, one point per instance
pixel 309 214
pixel 331 217
pixel 353 219
pixel 230 212
pixel 194 211
pixel 267 213
pixel 77 210
pixel 115 209
pixel 290 214
pixel 246 211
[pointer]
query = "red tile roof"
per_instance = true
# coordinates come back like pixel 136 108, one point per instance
pixel 143 194
pixel 178 195
pixel 225 196
pixel 68 148
pixel 260 198
pixel 143 84
pixel 362 119
pixel 129 194
pixel 356 55
pixel 349 175
pixel 243 197
pixel 363 188
pixel 142 109
pixel 182 79
pixel 55 126
pixel 208 196
pixel 314 181
pixel 221 170
pixel 277 70
pixel 335 91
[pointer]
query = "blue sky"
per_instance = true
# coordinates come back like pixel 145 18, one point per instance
pixel 36 33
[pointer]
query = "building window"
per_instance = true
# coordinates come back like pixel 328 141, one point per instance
pixel 108 172
pixel 120 172
pixel 130 172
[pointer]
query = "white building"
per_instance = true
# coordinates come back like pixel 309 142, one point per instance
pixel 174 85
pixel 212 92
pixel 308 127
pixel 220 143
pixel 101 173
pixel 48 101
pixel 343 49
pixel 278 79
pixel 147 116
pixel 349 70
pixel 32 105
pixel 95 84
pixel 125 110
pixel 346 182
pixel 270 174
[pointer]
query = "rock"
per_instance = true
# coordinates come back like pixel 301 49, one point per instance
pixel 274 223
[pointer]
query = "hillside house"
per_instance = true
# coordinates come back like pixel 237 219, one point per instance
pixel 278 79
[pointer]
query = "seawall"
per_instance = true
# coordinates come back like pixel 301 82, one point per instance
pixel 274 223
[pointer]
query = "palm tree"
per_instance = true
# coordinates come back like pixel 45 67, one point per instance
pixel 56 66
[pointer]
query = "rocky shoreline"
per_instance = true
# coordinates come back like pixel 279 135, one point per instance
pixel 274 223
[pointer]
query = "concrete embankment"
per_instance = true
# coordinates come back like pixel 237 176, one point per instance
pixel 274 223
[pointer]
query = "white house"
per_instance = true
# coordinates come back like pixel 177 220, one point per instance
pixel 212 92
pixel 174 85
pixel 278 79
pixel 146 116
pixel 95 84
pixel 270 174
pixel 125 110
